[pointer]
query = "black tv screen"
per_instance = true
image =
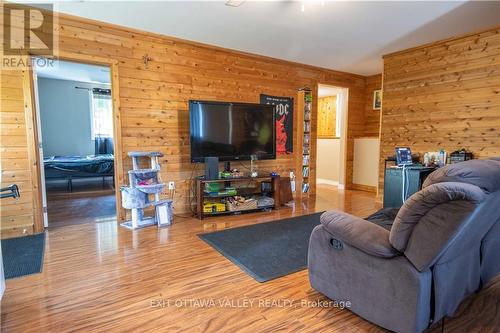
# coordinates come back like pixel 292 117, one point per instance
pixel 231 131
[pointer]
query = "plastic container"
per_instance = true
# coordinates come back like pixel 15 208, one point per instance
pixel 247 205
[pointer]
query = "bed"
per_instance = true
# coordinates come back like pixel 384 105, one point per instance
pixel 73 167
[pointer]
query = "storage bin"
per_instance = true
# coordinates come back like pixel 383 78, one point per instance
pixel 263 201
pixel 213 207
pixel 247 205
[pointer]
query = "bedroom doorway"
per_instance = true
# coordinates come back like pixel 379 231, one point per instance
pixel 74 108
pixel 331 135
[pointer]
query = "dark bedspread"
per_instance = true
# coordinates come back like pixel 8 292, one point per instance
pixel 91 164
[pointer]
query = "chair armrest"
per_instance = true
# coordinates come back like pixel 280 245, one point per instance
pixel 363 235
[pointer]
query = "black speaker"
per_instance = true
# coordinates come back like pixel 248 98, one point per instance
pixel 211 168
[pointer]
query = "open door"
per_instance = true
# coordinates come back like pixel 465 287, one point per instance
pixel 40 148
pixel 331 135
pixel 75 120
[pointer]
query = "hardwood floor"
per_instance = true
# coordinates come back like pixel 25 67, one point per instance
pixel 89 202
pixel 101 277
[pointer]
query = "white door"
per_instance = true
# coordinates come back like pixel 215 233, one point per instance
pixel 40 148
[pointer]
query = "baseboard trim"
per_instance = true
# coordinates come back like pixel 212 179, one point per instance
pixel 366 188
pixel 327 181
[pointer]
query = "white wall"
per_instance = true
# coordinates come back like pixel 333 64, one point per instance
pixel 328 161
pixel 366 154
pixel 65 117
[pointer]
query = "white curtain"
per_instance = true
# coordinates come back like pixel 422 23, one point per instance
pixel 102 115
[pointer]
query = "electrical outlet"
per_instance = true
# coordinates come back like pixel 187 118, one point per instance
pixel 171 185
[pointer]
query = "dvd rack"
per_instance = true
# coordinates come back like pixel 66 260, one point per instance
pixel 303 164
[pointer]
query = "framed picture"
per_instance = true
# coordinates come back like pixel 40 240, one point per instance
pixel 377 99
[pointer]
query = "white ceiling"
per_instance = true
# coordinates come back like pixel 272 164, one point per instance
pixel 348 36
pixel 66 70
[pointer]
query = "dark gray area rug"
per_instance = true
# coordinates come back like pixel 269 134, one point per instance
pixel 268 250
pixel 23 255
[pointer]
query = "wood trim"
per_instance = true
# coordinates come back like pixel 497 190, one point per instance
pixel 86 58
pixel 366 188
pixel 117 139
pixel 328 137
pixel 346 146
pixel 32 147
pixel 327 182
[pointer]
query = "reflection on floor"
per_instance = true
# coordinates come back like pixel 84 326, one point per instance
pixel 102 277
pixel 89 202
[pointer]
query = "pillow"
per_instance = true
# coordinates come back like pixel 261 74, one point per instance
pixel 483 173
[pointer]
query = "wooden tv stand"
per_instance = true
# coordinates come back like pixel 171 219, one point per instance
pixel 201 196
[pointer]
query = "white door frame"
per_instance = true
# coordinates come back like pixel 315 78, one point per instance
pixel 342 106
pixel 40 147
pixel 116 133
pixel 343 98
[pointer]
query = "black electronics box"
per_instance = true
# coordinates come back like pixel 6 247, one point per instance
pixel 460 156
pixel 211 168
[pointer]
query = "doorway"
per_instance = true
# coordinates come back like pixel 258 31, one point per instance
pixel 74 107
pixel 331 135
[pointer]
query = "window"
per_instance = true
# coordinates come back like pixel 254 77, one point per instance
pixel 102 113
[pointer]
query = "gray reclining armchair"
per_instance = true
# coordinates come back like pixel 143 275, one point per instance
pixel 442 247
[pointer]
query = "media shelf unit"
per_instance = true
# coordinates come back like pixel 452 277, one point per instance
pixel 305 177
pixel 247 190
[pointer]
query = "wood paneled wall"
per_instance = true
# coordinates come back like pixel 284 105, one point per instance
pixel 154 98
pixel 443 95
pixel 17 216
pixel 372 117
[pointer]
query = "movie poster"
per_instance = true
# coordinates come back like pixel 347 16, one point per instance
pixel 283 106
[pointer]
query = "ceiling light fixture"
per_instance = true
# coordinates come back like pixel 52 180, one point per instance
pixel 234 3
pixel 303 7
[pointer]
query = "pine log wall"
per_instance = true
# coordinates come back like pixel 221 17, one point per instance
pixel 154 99
pixel 444 95
pixel 17 215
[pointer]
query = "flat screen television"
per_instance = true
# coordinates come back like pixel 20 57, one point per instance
pixel 231 131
